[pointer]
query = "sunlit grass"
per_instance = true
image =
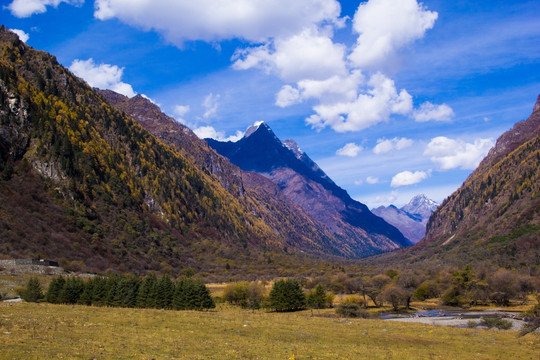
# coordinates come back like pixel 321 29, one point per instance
pixel 44 331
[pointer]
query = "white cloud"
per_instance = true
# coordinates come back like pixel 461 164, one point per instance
pixel 358 182
pixel 180 111
pixel 405 178
pixel 26 8
pixel 103 76
pixel 384 26
pixel 214 20
pixel 429 112
pixel 372 106
pixel 332 90
pixel 386 145
pixel 372 180
pixel 21 34
pixel 211 104
pixel 306 55
pixel 205 132
pixel 287 96
pixel 350 150
pixel 451 154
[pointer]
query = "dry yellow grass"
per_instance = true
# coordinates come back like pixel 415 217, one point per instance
pixel 44 331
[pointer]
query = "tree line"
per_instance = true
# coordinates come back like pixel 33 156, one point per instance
pixel 124 291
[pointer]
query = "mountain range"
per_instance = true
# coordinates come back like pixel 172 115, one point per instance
pixel 100 181
pixel 411 219
pixel 104 182
pixel 305 184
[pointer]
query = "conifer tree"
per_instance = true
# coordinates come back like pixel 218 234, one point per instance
pixel 99 291
pixel 165 292
pixel 53 292
pixel 32 292
pixel 71 291
pixel 287 295
pixel 146 292
pixel 317 298
pixel 86 296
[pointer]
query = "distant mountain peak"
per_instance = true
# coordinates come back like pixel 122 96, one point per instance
pixel 412 218
pixel 305 184
pixel 420 205
pixel 255 127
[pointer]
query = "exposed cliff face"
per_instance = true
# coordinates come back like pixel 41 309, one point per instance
pixel 305 184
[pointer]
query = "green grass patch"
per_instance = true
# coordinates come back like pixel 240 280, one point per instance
pixel 32 331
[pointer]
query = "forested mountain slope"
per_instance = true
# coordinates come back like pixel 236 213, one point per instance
pixel 495 215
pixel 83 182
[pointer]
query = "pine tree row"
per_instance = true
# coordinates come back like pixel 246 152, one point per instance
pixel 131 291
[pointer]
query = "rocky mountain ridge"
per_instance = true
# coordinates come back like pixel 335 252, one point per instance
pixel 305 184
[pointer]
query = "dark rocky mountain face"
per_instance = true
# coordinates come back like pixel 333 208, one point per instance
pixel 411 219
pixel 305 184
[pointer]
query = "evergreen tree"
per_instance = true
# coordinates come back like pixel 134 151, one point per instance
pixel 129 289
pixel 32 292
pixel 53 292
pixel 287 295
pixel 86 296
pixel 99 291
pixel 191 294
pixel 165 292
pixel 113 291
pixel 146 292
pixel 317 298
pixel 71 291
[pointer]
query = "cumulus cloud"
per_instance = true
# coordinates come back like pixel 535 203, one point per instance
pixel 405 178
pixel 384 26
pixel 213 20
pixel 306 55
pixel 211 104
pixel 455 153
pixel 372 180
pixel 103 76
pixel 387 145
pixel 371 106
pixel 205 132
pixel 26 8
pixel 21 34
pixel 350 150
pixel 431 112
pixel 314 66
pixel 180 111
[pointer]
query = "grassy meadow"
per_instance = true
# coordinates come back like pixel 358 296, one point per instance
pixel 45 331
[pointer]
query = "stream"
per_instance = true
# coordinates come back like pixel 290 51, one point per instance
pixel 454 317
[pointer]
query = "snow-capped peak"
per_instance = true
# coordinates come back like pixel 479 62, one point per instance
pixel 250 130
pixel 420 204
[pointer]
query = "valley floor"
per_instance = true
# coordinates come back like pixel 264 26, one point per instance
pixel 32 331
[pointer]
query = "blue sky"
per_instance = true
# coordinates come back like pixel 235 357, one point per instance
pixel 391 98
